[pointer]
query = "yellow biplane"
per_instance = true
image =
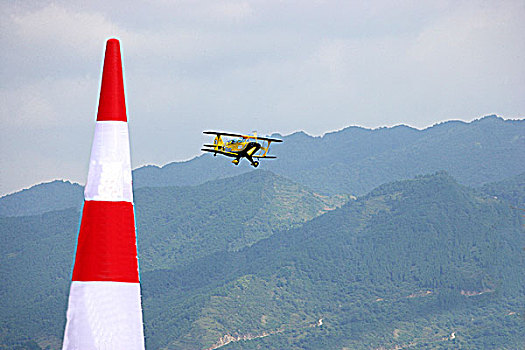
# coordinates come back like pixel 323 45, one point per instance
pixel 242 146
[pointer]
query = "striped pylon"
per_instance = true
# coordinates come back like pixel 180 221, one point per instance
pixel 104 310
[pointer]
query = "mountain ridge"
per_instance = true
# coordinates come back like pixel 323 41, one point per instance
pixel 47 196
pixel 354 160
pixel 476 153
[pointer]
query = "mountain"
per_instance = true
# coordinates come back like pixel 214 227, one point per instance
pixel 45 197
pixel 260 260
pixel 175 227
pixel 350 161
pixel 257 261
pixel 423 263
pixel 355 160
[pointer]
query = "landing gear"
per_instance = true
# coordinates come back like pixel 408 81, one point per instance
pixel 254 163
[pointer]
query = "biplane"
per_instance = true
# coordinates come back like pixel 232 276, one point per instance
pixel 241 146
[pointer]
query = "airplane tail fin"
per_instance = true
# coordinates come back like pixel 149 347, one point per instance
pixel 218 143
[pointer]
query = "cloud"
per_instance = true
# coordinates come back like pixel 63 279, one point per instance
pixel 271 65
pixel 48 103
pixel 52 42
pixel 474 36
pixel 472 59
pixel 55 26
pixel 238 10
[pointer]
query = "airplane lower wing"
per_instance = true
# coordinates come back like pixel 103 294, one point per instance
pixel 270 157
pixel 229 154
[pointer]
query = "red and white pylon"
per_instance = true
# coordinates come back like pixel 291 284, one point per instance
pixel 104 310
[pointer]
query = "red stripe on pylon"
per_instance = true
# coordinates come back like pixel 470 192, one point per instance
pixel 112 103
pixel 107 249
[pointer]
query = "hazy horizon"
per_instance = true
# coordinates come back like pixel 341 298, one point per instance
pixel 82 183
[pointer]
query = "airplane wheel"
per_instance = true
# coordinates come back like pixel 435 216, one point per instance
pixel 255 164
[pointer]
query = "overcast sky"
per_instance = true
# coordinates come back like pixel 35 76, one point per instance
pixel 270 66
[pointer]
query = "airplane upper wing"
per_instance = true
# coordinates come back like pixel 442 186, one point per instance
pixel 220 133
pixel 268 139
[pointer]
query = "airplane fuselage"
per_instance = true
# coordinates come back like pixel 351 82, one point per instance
pixel 244 149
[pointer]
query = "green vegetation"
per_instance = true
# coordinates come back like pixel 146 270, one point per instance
pixel 413 262
pixel 426 263
pixel 511 190
pixel 181 224
pixel 35 264
pixel 175 226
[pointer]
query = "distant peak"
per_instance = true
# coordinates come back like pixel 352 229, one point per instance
pixel 299 134
pixel 403 126
pixel 488 118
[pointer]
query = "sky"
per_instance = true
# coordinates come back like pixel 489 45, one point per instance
pixel 242 66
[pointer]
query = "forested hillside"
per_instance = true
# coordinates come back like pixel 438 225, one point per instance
pixel 175 226
pixel 512 190
pixel 36 258
pixel 421 263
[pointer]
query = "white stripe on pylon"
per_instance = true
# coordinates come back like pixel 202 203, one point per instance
pixel 109 176
pixel 104 315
